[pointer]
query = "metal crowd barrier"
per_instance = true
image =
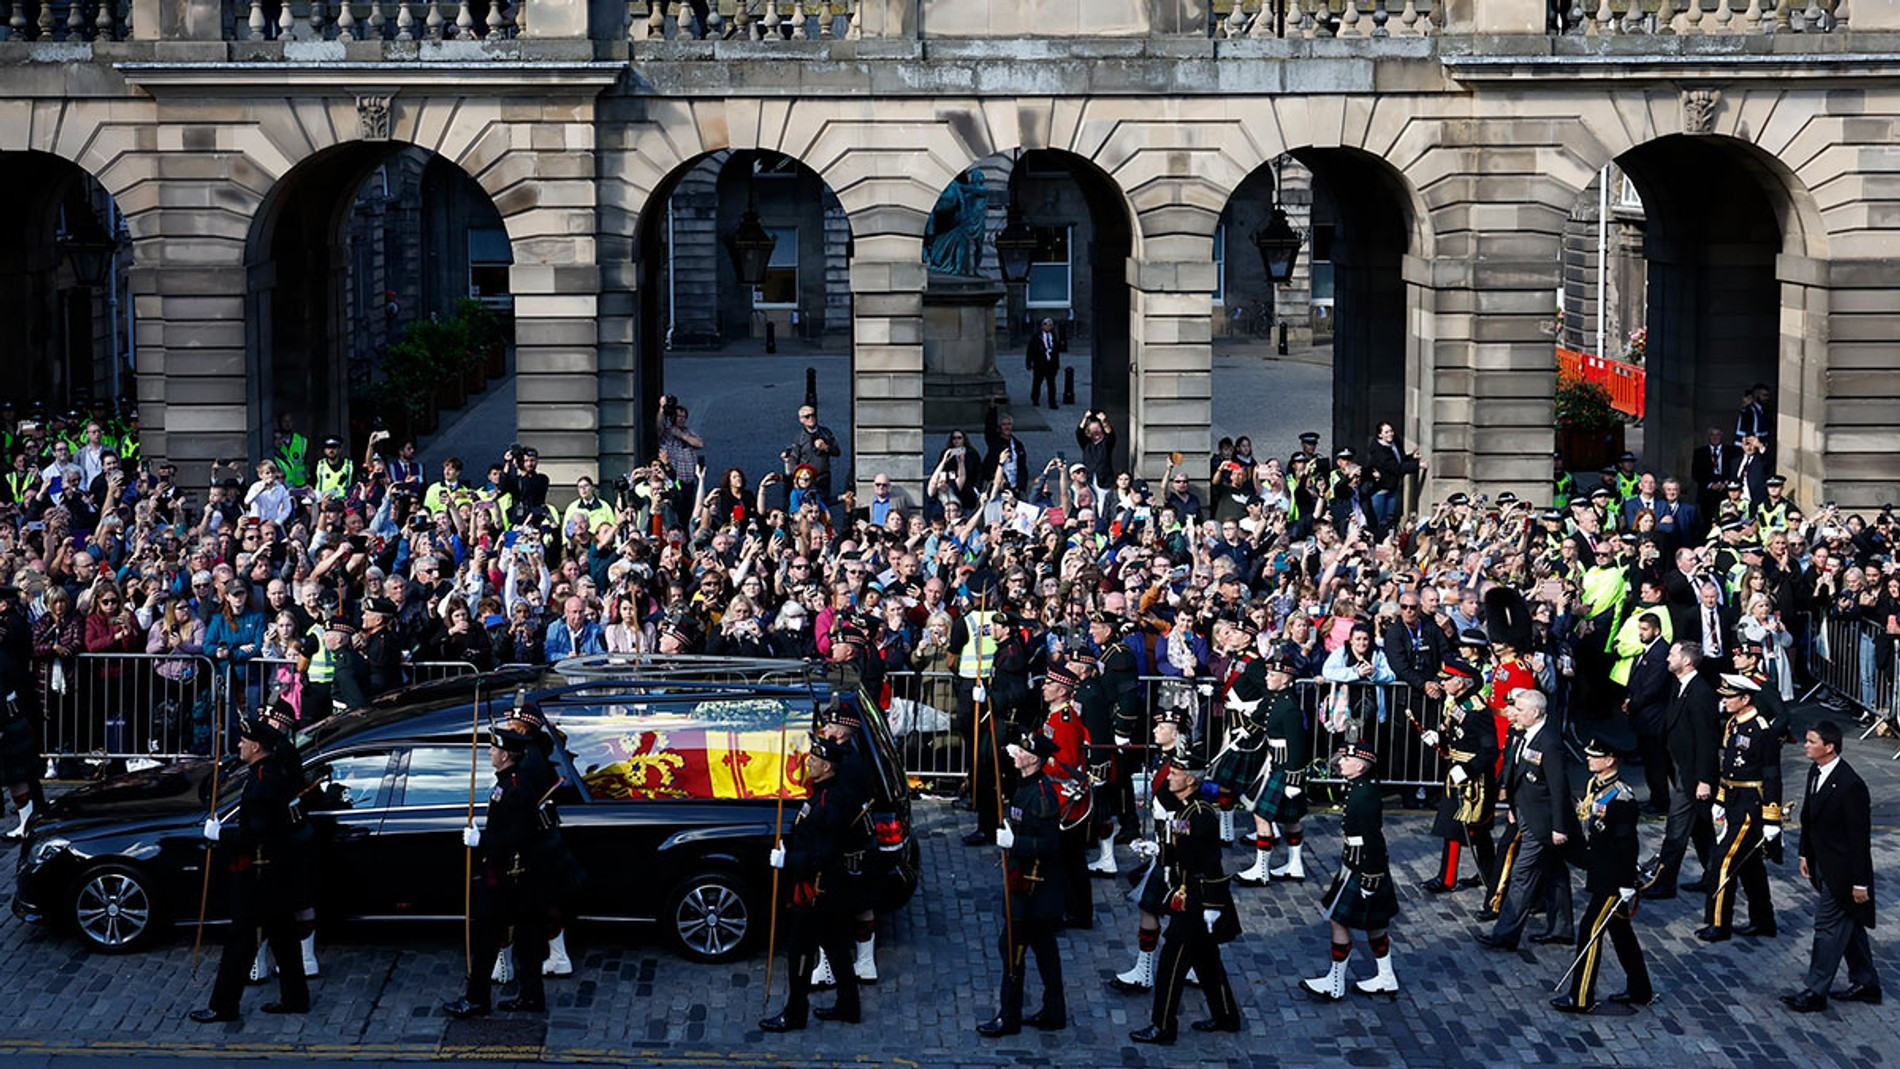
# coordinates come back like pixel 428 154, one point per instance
pixel 124 706
pixel 1854 661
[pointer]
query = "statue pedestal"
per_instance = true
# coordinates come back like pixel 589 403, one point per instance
pixel 960 376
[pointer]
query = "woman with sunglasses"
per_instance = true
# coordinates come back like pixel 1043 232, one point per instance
pixel 111 629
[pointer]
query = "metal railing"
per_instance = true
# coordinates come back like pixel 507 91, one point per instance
pixel 930 716
pixel 1854 661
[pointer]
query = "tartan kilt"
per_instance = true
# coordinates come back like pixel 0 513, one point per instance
pixel 1236 770
pixel 1273 805
pixel 1366 913
pixel 19 747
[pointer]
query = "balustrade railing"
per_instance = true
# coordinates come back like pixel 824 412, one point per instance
pixel 372 20
pixel 71 21
pixel 744 20
pixel 1695 18
pixel 1308 19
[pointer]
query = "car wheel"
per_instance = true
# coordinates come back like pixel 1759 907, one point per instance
pixel 113 909
pixel 709 916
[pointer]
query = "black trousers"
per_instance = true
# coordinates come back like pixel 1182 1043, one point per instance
pixel 282 931
pixel 1688 825
pixel 986 793
pixel 1039 373
pixel 1040 937
pixel 1739 865
pixel 1621 935
pixel 1189 945
pixel 1078 904
pixel 1838 935
pixel 1538 873
pixel 813 930
pixel 499 909
pixel 1655 768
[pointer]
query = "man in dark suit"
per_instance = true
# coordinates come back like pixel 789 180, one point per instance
pixel 1043 358
pixel 1837 858
pixel 1005 450
pixel 1536 783
pixel 1752 471
pixel 1712 624
pixel 1689 737
pixel 1677 521
pixel 1647 705
pixel 1713 462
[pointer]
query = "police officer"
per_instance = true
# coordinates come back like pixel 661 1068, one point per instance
pixel 1608 814
pixel 333 472
pixel 829 826
pixel 1031 840
pixel 522 869
pixel 1200 909
pixel 1280 803
pixel 1361 896
pixel 265 848
pixel 1747 814
pixel 1468 743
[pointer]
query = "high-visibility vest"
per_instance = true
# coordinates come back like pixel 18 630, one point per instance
pixel 1772 518
pixel 334 482
pixel 1626 485
pixel 293 457
pixel 974 661
pixel 322 666
pixel 1563 487
pixel 600 514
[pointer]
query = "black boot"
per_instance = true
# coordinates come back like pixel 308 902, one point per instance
pixel 1008 1020
pixel 1154 1033
pixel 462 1009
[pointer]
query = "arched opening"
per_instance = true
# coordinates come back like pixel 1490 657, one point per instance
pixel 1344 306
pixel 64 252
pixel 742 354
pixel 378 297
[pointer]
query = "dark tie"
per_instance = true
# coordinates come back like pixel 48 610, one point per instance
pixel 1714 631
pixel 1814 781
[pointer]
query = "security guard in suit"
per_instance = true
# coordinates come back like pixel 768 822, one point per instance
pixel 1608 814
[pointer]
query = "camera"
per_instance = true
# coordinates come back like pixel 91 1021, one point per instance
pixel 622 484
pixel 359 543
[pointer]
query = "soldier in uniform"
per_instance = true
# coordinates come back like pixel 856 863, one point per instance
pixel 1171 727
pixel 839 723
pixel 382 646
pixel 1113 796
pixel 1235 770
pixel 19 737
pixel 829 826
pixel 1005 696
pixel 1361 896
pixel 1467 741
pixel 1608 814
pixel 1068 770
pixel 350 676
pixel 1032 871
pixel 1200 909
pixel 1280 804
pixel 265 849
pixel 1747 814
pixel 522 870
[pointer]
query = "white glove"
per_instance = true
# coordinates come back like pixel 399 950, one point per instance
pixel 1160 811
pixel 1718 814
pixel 1145 849
pixel 1430 738
pixel 1771 832
pixel 1458 774
pixel 212 829
pixel 1293 792
pixel 1121 740
pixel 777 857
pixel 977 693
pixel 1005 838
pixel 1210 916
pixel 1625 894
pixel 471 836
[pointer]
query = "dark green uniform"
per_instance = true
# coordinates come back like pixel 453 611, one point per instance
pixel 1033 872
pixel 265 848
pixel 1191 864
pixel 1361 895
pixel 1608 814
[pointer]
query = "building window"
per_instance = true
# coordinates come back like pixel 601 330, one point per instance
pixel 488 260
pixel 780 288
pixel 1049 269
pixel 1220 264
pixel 1322 264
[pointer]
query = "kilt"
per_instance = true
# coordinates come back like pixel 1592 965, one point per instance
pixel 1345 904
pixel 19 747
pixel 1274 806
pixel 1151 895
pixel 1236 770
pixel 1482 805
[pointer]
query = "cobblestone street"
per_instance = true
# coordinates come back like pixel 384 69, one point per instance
pixel 631 1000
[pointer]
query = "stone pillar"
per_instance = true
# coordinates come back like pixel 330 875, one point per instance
pixel 1172 357
pixel 1494 370
pixel 1840 380
pixel 960 376
pixel 887 346
pixel 557 377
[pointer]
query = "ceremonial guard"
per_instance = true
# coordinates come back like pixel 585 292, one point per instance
pixel 265 848
pixel 1279 806
pixel 1171 726
pixel 1235 770
pixel 522 869
pixel 1467 741
pixel 839 723
pixel 1109 764
pixel 1067 768
pixel 1033 893
pixel 1361 896
pixel 1607 815
pixel 1747 815
pixel 1004 698
pixel 1199 906
pixel 830 827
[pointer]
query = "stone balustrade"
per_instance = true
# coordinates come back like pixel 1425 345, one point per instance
pixel 65 21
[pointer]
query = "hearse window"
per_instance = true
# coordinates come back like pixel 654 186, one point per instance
pixel 351 781
pixel 438 775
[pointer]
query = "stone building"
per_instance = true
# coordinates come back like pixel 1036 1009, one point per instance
pixel 1448 146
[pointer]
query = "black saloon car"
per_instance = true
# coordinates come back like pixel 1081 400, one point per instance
pixel 671 771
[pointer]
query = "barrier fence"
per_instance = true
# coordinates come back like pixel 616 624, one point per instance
pixel 1854 660
pixel 121 707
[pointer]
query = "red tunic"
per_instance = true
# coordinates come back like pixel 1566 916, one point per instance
pixel 1068 769
pixel 1507 678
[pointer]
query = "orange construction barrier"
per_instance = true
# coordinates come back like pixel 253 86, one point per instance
pixel 1625 381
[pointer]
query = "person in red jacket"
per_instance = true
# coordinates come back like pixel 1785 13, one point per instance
pixel 1068 770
